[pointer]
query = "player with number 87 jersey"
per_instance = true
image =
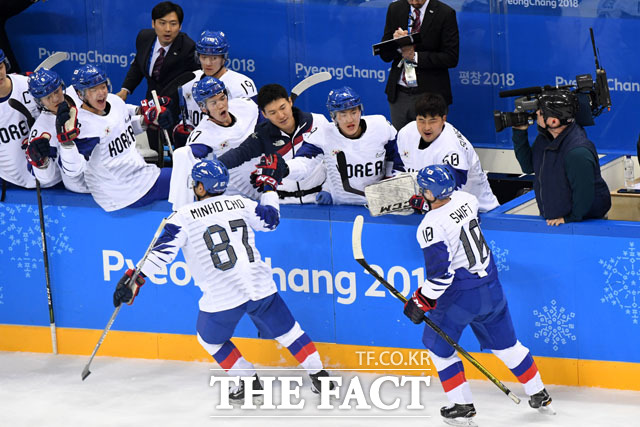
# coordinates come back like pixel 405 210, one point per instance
pixel 431 140
pixel 462 288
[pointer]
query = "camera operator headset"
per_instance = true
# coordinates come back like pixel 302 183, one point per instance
pixel 568 184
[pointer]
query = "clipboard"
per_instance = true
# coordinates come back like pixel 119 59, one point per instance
pixel 395 44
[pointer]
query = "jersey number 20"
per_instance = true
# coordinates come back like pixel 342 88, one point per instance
pixel 224 245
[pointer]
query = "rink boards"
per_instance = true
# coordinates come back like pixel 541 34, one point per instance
pixel 573 290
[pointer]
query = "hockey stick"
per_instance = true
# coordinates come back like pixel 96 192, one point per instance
pixel 342 169
pixel 356 242
pixel 183 107
pixel 52 61
pixel 308 82
pixel 18 106
pixel 134 276
pixel 164 131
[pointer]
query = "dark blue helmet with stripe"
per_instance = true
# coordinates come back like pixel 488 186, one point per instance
pixel 89 76
pixel 207 88
pixel 43 83
pixel 212 43
pixel 438 179
pixel 213 175
pixel 342 99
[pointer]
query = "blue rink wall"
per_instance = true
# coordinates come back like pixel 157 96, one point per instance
pixel 573 290
pixel 504 44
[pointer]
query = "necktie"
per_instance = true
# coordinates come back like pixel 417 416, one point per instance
pixel 158 65
pixel 416 22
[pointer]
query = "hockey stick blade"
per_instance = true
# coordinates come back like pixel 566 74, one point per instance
pixel 52 61
pixel 308 82
pixel 358 255
pixel 342 169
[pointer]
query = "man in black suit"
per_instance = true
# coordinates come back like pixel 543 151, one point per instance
pixel 430 59
pixel 162 54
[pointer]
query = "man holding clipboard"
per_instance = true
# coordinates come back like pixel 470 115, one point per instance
pixel 421 40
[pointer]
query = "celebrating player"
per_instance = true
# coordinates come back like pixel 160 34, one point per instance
pixel 235 280
pixel 212 50
pixel 282 133
pixel 431 140
pixel 462 288
pixel 50 94
pixel 104 147
pixel 369 144
pixel 14 128
pixel 229 122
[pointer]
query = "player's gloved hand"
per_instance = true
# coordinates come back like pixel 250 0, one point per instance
pixel 273 165
pixel 125 290
pixel 67 123
pixel 181 134
pixel 419 204
pixel 324 198
pixel 263 183
pixel 164 119
pixel 38 150
pixel 417 306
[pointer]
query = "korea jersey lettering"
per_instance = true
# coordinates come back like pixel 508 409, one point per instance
pixel 51 174
pixel 218 242
pixel 454 247
pixel 105 151
pixel 238 86
pixel 14 129
pixel 366 157
pixel 452 148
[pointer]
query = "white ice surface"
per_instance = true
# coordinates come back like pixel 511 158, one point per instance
pixel 46 390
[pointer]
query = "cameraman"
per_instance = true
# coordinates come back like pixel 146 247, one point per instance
pixel 568 184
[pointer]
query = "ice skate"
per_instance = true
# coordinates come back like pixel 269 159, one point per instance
pixel 236 393
pixel 542 402
pixel 316 385
pixel 459 414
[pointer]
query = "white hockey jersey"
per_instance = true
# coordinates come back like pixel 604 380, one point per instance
pixel 105 151
pixel 14 129
pixel 238 86
pixel 454 244
pixel 220 139
pixel 217 238
pixel 51 175
pixel 365 158
pixel 452 148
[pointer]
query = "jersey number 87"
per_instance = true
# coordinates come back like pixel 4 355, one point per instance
pixel 224 245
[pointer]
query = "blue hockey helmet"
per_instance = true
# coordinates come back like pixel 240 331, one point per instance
pixel 213 43
pixel 89 76
pixel 206 88
pixel 3 58
pixel 42 83
pixel 213 175
pixel 342 99
pixel 438 179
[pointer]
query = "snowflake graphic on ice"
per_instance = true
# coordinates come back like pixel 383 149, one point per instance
pixel 23 247
pixel 499 256
pixel 554 326
pixel 621 285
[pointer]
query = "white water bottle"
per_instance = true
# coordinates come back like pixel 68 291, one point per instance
pixel 629 177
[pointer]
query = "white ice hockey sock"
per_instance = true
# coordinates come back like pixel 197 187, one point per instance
pixel 451 373
pixel 519 360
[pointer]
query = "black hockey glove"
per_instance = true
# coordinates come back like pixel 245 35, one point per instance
pixel 125 290
pixel 181 134
pixel 67 123
pixel 419 204
pixel 39 150
pixel 163 119
pixel 271 170
pixel 417 306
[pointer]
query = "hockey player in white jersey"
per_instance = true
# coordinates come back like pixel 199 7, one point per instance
pixel 212 51
pixel 14 127
pixel 431 140
pixel 216 234
pixel 228 123
pixel 462 288
pixel 49 92
pixel 104 148
pixel 368 142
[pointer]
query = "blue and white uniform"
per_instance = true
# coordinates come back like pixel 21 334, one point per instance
pixel 452 148
pixel 14 130
pixel 370 157
pixel 463 279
